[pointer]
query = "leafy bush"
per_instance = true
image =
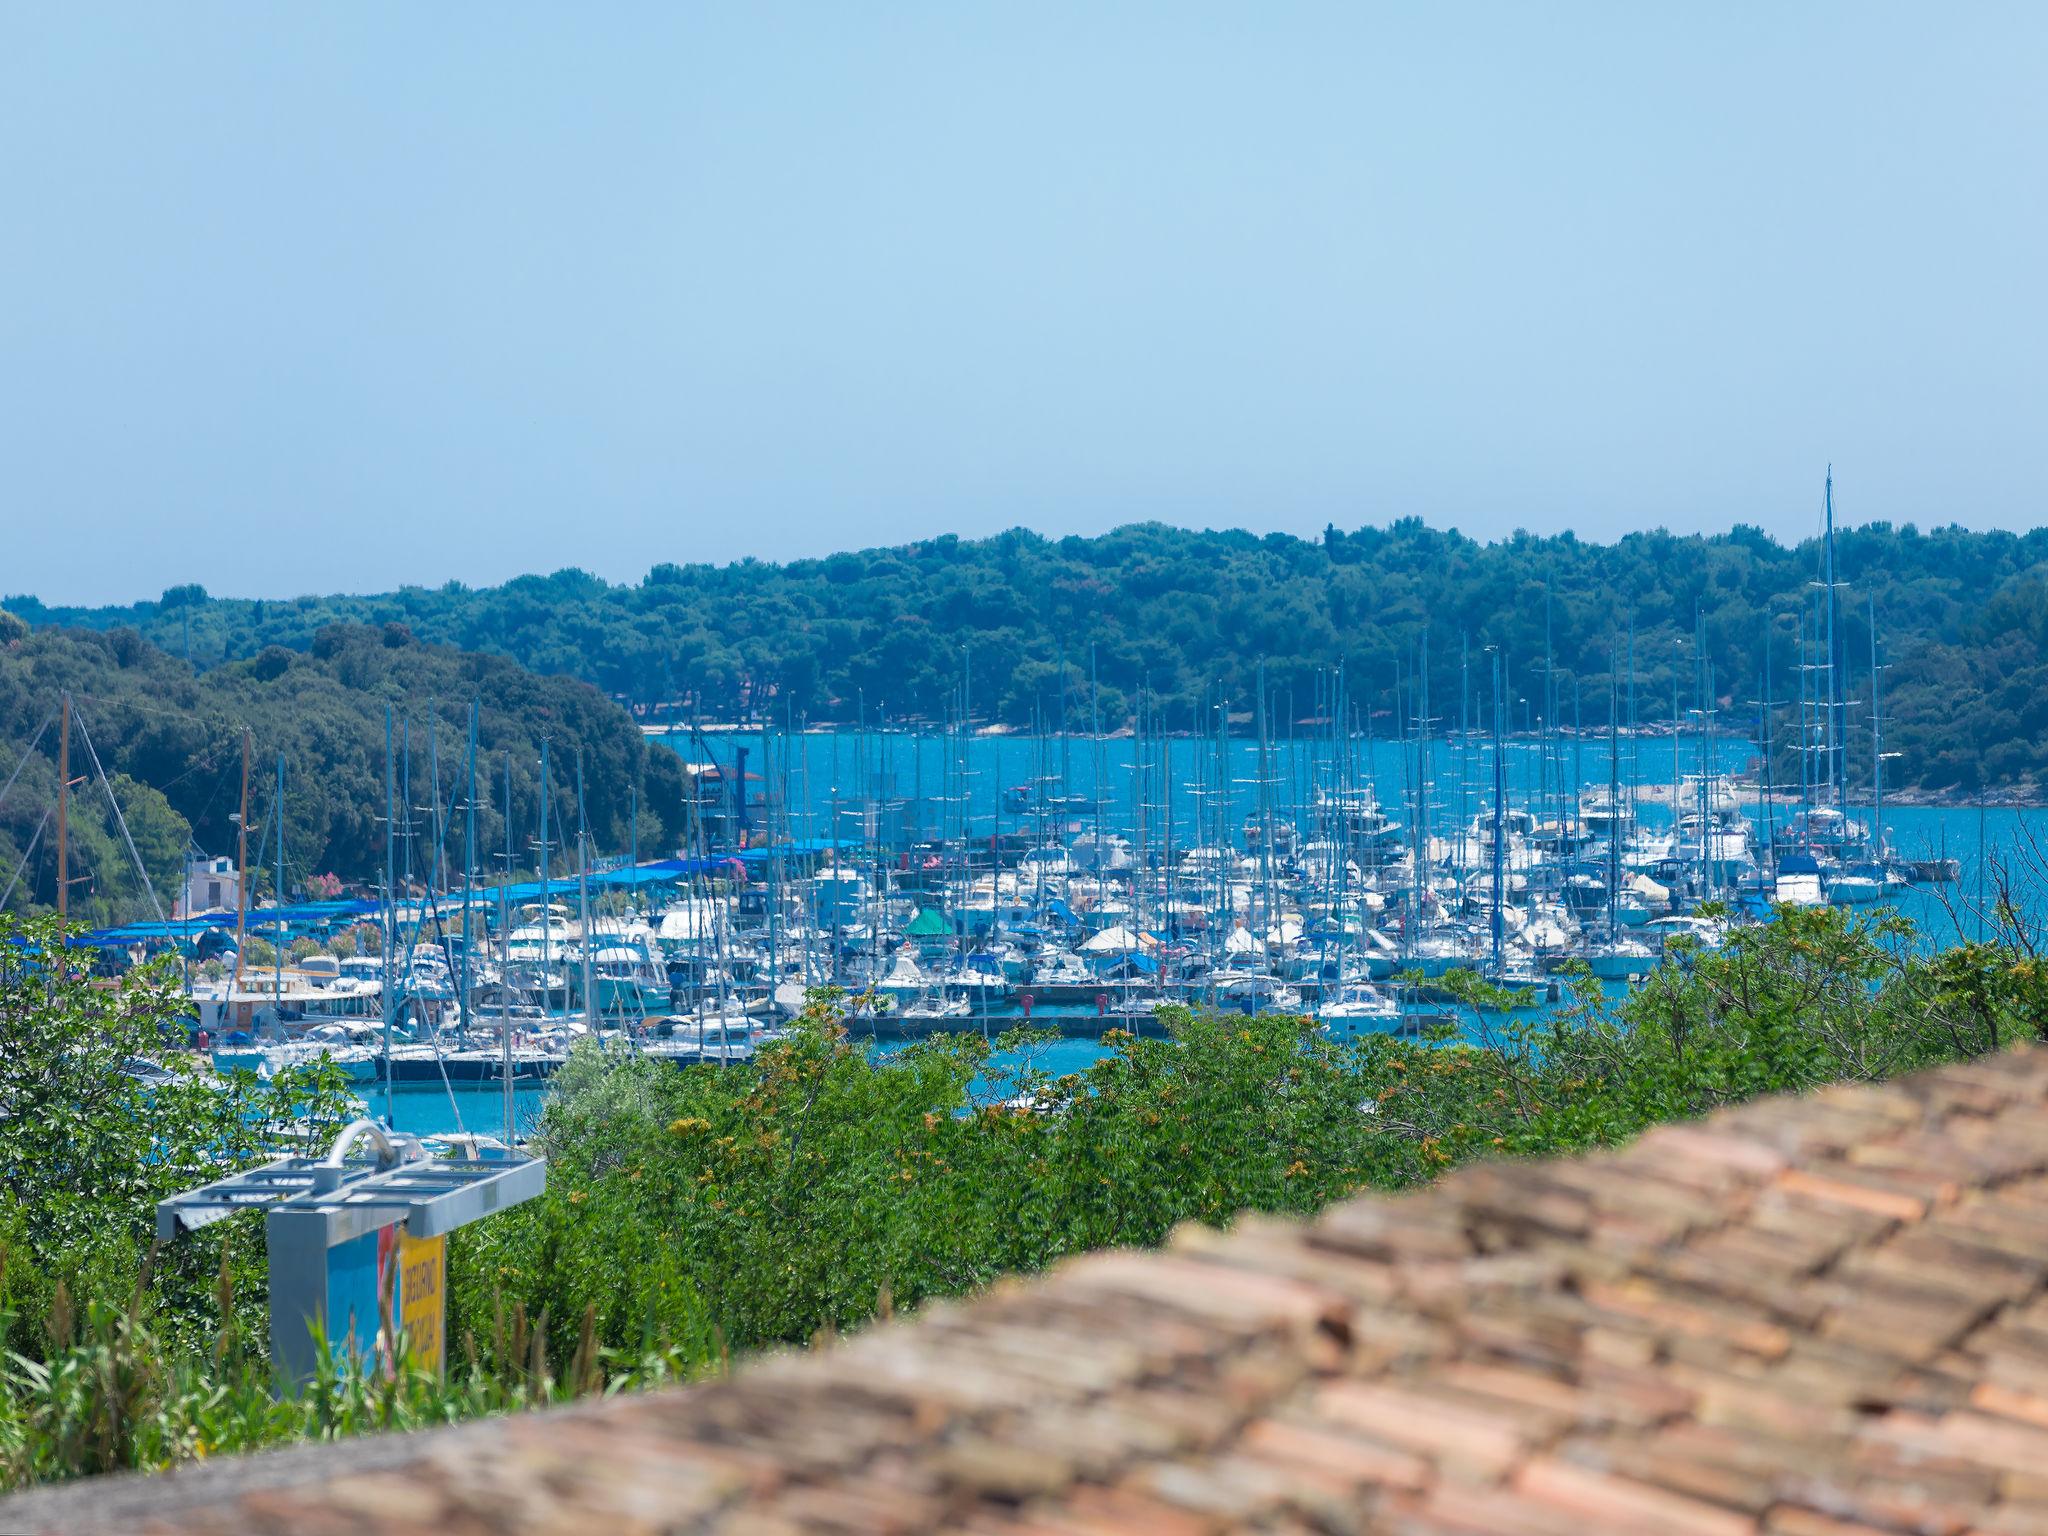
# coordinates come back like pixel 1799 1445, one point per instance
pixel 87 1148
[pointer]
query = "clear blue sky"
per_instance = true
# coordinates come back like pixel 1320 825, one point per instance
pixel 332 297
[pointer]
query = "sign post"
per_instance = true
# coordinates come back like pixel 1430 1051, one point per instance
pixel 358 1245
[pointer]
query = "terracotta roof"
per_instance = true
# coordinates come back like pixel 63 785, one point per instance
pixel 1823 1316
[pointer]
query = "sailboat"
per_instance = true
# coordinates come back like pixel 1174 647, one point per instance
pixel 1866 879
pixel 1358 1003
pixel 1612 953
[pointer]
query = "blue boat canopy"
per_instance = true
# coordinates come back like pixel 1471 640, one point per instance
pixel 329 914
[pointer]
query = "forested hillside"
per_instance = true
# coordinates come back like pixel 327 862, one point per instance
pixel 1962 616
pixel 170 739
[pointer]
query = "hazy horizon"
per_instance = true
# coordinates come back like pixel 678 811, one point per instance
pixel 317 301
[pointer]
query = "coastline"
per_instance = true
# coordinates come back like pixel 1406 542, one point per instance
pixel 2017 797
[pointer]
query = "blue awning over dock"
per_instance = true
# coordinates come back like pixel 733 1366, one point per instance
pixel 303 916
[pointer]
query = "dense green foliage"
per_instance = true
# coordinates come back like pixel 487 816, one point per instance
pixel 1190 616
pixel 116 1352
pixel 695 1213
pixel 87 1149
pixel 170 739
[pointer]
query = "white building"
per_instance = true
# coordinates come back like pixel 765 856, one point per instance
pixel 211 885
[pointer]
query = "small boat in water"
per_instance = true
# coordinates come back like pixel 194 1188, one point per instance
pixel 1798 881
pixel 629 978
pixel 1358 1004
pixel 1857 885
pixel 1619 957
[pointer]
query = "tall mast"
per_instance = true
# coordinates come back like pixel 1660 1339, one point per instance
pixel 1765 731
pixel 437 873
pixel 1703 676
pixel 468 865
pixel 1677 795
pixel 64 817
pixel 1545 803
pixel 505 931
pixel 1422 767
pixel 1264 813
pixel 774 845
pixel 546 931
pixel 1464 750
pixel 277 950
pixel 1613 788
pixel 1098 761
pixel 1831 729
pixel 1500 793
pixel 390 987
pixel 583 899
pixel 1876 744
pixel 1570 804
pixel 1806 772
pixel 405 838
pixel 241 847
pixel 1635 740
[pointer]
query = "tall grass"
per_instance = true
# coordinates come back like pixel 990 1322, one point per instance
pixel 110 1392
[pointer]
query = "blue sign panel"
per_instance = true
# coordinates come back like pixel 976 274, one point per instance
pixel 355 1316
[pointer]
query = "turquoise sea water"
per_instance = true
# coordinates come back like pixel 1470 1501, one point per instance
pixel 432 1110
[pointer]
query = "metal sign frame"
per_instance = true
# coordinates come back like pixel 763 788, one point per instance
pixel 313 1206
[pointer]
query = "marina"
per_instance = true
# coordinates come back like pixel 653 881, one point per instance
pixel 944 882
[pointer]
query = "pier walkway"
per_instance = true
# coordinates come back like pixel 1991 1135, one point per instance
pixel 1823 1316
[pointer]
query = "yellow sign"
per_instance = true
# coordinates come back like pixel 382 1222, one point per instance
pixel 422 1297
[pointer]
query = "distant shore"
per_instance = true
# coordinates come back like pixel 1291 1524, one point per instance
pixel 2007 797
